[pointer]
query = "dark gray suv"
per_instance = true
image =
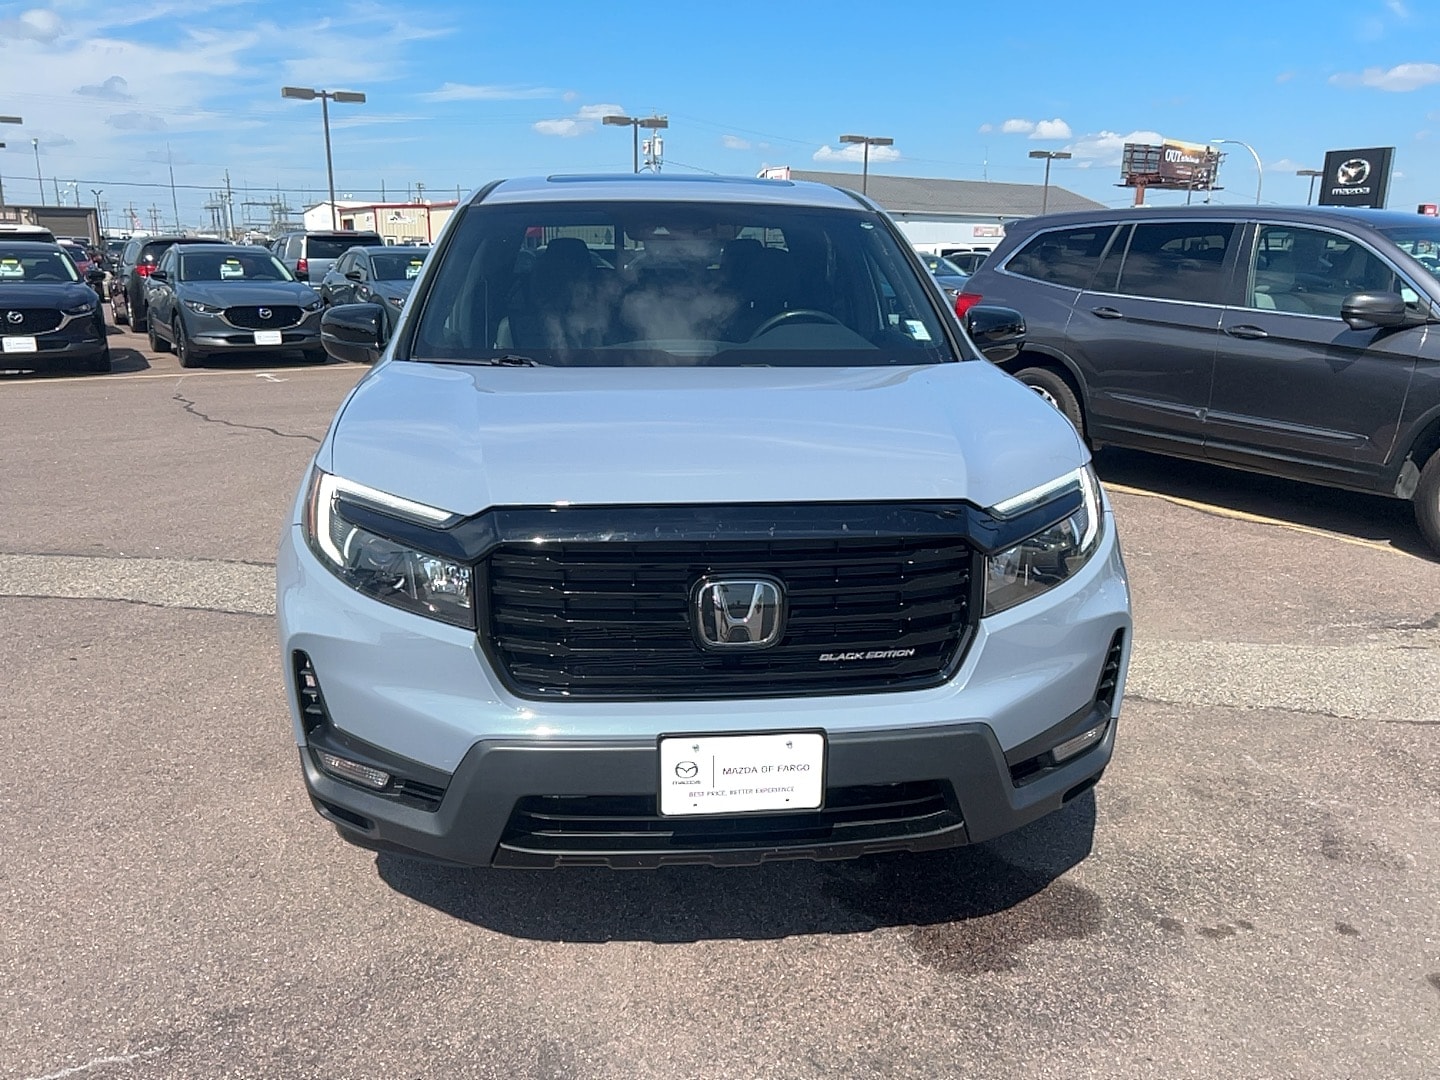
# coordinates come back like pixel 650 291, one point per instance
pixel 1299 342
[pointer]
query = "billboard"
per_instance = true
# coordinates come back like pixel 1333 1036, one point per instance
pixel 1170 166
pixel 1357 177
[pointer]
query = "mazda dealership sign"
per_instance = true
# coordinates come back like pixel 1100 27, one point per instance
pixel 1357 177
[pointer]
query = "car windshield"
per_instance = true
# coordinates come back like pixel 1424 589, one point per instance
pixel 942 266
pixel 329 247
pixel 232 266
pixel 1421 241
pixel 397 267
pixel 676 283
pixel 34 267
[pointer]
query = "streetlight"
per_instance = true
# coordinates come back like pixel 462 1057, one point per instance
pixel 1049 156
pixel 6 120
pixel 635 123
pixel 1312 174
pixel 38 181
pixel 99 214
pixel 306 93
pixel 867 141
pixel 1259 169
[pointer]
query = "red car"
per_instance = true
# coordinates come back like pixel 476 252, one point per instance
pixel 81 258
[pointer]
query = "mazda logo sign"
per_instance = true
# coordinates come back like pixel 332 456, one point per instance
pixel 265 313
pixel 1352 173
pixel 15 317
pixel 738 613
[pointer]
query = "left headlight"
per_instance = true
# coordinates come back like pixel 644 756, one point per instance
pixel 83 308
pixel 204 309
pixel 312 305
pixel 381 568
pixel 1054 554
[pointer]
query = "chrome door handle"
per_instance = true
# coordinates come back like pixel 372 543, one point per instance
pixel 1108 313
pixel 1249 333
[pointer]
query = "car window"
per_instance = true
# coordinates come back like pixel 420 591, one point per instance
pixel 1177 261
pixel 1311 271
pixel 329 247
pixel 232 266
pixel 345 262
pixel 391 267
pixel 35 267
pixel 637 283
pixel 1063 256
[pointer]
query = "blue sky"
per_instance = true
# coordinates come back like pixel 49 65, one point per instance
pixel 460 93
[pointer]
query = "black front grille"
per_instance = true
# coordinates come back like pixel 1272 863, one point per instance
pixel 31 321
pixel 613 620
pixel 249 317
pixel 547 828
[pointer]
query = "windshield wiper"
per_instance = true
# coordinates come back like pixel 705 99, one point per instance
pixel 508 360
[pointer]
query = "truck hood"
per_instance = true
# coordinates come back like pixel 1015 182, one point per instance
pixel 464 439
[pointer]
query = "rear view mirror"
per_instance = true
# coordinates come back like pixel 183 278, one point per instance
pixel 1369 311
pixel 354 333
pixel 997 331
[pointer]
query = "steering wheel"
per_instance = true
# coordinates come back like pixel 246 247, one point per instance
pixel 809 314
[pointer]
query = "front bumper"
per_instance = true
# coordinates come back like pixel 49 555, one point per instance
pixel 211 333
pixel 418 699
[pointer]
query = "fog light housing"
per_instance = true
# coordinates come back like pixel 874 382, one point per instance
pixel 1082 742
pixel 353 771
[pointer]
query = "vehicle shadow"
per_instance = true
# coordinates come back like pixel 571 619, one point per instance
pixel 983 903
pixel 261 359
pixel 1349 513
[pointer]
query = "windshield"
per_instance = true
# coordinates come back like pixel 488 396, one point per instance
pixel 1421 241
pixel 944 267
pixel 259 265
pixel 397 267
pixel 678 283
pixel 34 267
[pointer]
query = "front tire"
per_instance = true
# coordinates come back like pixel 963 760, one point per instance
pixel 1053 388
pixel 115 315
pixel 1427 502
pixel 184 351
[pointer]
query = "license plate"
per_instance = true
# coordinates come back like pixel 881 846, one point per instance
pixel 741 774
pixel 268 337
pixel 19 345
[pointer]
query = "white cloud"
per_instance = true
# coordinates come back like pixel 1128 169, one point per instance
pixel 115 88
pixel 1107 147
pixel 566 129
pixel 1017 127
pixel 1284 165
pixel 1398 9
pixel 1399 79
pixel 569 95
pixel 33 25
pixel 453 91
pixel 136 121
pixel 1284 76
pixel 598 112
pixel 1051 129
pixel 734 142
pixel 856 152
pixel 584 121
pixel 985 129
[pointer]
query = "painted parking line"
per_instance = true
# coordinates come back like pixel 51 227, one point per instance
pixel 1259 519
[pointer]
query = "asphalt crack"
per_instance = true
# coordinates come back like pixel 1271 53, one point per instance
pixel 190 408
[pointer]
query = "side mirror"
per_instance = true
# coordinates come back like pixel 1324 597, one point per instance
pixel 1369 311
pixel 95 277
pixel 998 331
pixel 354 275
pixel 354 333
pixel 159 275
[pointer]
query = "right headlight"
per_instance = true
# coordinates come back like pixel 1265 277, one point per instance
pixel 381 568
pixel 1037 564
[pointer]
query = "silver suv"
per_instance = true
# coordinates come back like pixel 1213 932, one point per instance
pixel 680 522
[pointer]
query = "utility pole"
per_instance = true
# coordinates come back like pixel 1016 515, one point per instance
pixel 382 189
pixel 99 211
pixel 154 218
pixel 55 180
pixel 419 192
pixel 174 202
pixel 39 180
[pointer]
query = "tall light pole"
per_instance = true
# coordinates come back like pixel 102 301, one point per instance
pixel 867 141
pixel 6 120
pixel 1259 168
pixel 39 183
pixel 306 93
pixel 635 123
pixel 1312 174
pixel 99 213
pixel 1049 156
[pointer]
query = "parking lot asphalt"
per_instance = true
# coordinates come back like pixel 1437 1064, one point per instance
pixel 1250 891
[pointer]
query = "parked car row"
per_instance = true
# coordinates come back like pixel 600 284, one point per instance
pixel 1298 342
